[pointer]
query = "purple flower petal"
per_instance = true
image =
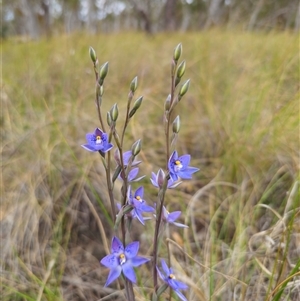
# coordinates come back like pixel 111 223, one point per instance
pixel 139 216
pixel 192 169
pixel 180 295
pixel 110 261
pixel 160 274
pixel 169 278
pixel 113 275
pixel 138 179
pixel 129 272
pixel 89 148
pixel 174 156
pixel 173 216
pixel 179 285
pixel 131 249
pixel 180 225
pixel 165 267
pixel 122 260
pixel 139 192
pixel 178 167
pixel 98 132
pixel 126 156
pixel 185 160
pixel 137 261
pixel 108 147
pixel 133 173
pixel 97 141
pixel 135 203
pixel 171 184
pixel 146 208
pixel 129 196
pixel 116 245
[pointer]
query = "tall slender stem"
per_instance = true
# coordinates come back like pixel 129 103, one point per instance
pixel 163 190
pixel 162 194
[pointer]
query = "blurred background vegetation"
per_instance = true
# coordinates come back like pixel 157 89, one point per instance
pixel 33 18
pixel 240 123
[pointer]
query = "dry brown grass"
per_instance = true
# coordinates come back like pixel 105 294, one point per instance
pixel 240 122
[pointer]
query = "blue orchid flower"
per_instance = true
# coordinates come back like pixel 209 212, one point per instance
pixel 169 278
pixel 179 167
pixel 97 141
pixel 122 260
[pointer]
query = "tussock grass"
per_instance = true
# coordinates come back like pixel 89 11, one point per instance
pixel 240 122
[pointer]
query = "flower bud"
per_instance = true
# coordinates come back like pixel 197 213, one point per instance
pixel 168 103
pixel 103 71
pixel 177 81
pixel 109 119
pixel 160 178
pixel 181 69
pixel 184 88
pixel 136 147
pixel 136 105
pixel 116 173
pixel 117 157
pixel 93 54
pixel 177 52
pixel 176 125
pixel 101 90
pixel 114 112
pixel 133 85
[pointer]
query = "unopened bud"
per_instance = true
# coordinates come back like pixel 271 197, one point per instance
pixel 103 71
pixel 160 178
pixel 136 105
pixel 176 125
pixel 177 81
pixel 101 90
pixel 133 85
pixel 117 157
pixel 184 88
pixel 114 112
pixel 168 103
pixel 93 54
pixel 181 69
pixel 136 147
pixel 177 52
pixel 109 119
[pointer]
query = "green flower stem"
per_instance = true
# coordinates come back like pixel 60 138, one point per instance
pixel 168 113
pixel 98 103
pixel 110 187
pixel 128 285
pixel 159 210
pixel 129 290
pixel 98 96
pixel 130 97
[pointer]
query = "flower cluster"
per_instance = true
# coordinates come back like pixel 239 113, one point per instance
pixel 132 205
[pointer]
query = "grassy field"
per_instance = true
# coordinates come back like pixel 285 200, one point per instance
pixel 240 123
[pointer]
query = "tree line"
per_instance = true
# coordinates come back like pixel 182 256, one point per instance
pixel 35 18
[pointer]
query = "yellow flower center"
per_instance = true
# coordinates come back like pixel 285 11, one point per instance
pixel 172 276
pixel 138 198
pixel 98 139
pixel 177 166
pixel 122 258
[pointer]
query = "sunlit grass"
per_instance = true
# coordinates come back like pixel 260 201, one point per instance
pixel 240 122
